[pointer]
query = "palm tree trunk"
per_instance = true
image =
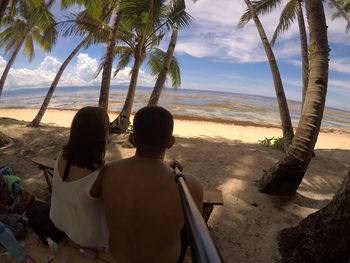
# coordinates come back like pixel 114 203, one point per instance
pixel 108 63
pixel 158 87
pixel 287 127
pixel 323 236
pixel 286 175
pixel 36 121
pixel 3 6
pixel 11 61
pixel 341 11
pixel 122 122
pixel 304 50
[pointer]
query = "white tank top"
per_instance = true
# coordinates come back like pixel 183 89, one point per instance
pixel 78 214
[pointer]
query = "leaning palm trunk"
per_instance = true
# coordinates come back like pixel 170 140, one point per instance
pixel 158 87
pixel 286 175
pixel 12 60
pixel 122 122
pixel 304 50
pixel 323 236
pixel 3 6
pixel 281 97
pixel 108 63
pixel 36 121
pixel 342 12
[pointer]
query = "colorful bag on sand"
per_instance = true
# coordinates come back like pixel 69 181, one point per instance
pixel 13 199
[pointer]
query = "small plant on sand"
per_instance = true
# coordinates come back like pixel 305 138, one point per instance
pixel 278 143
pixel 272 142
pixel 266 142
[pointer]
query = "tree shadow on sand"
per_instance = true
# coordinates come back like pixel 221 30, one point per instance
pixel 244 229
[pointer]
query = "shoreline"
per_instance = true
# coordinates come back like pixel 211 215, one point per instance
pixel 188 127
pixel 181 117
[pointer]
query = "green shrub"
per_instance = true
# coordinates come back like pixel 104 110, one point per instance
pixel 266 142
pixel 278 143
pixel 272 142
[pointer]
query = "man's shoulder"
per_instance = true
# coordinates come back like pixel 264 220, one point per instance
pixel 113 165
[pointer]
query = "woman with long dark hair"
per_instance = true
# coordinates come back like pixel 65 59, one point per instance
pixel 76 206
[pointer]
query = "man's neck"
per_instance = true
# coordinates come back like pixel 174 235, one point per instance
pixel 150 156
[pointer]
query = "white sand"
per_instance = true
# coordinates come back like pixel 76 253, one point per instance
pixel 184 128
pixel 223 156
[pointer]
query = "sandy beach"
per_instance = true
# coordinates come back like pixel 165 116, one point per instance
pixel 224 156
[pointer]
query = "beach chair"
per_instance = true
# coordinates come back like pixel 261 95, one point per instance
pixel 211 197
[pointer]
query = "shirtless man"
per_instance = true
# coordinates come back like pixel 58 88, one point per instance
pixel 141 197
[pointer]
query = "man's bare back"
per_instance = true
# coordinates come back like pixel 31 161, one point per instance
pixel 143 209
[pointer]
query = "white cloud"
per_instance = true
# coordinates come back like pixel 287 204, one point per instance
pixel 80 74
pixel 214 33
pixel 340 64
pixel 2 62
pixel 50 64
pixel 86 67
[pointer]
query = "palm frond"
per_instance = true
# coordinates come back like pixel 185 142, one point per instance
pixel 29 47
pixel 155 62
pixel 177 15
pixel 261 7
pixel 125 55
pixel 287 17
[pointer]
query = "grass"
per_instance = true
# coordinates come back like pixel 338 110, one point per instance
pixel 8 121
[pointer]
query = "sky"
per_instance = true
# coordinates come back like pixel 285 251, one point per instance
pixel 213 52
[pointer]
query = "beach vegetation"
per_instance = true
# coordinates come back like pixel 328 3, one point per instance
pixel 4 139
pixel 286 175
pixel 144 26
pixel 168 58
pixel 107 64
pixel 275 142
pixel 29 22
pixel 83 24
pixel 343 10
pixel 286 122
pixel 292 11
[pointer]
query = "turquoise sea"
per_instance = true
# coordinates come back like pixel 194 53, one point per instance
pixel 195 104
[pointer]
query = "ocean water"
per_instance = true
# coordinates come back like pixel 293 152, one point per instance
pixel 190 103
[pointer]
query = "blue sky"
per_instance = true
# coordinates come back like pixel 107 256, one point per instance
pixel 214 55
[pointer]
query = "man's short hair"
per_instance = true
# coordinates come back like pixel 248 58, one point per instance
pixel 153 128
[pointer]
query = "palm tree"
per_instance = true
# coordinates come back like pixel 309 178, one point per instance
pixel 292 10
pixel 144 32
pixel 158 87
pixel 78 28
pixel 31 23
pixel 108 60
pixel 324 235
pixel 281 98
pixel 156 58
pixel 286 175
pixel 343 9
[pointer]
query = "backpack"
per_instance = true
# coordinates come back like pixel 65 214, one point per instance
pixel 39 221
pixel 17 223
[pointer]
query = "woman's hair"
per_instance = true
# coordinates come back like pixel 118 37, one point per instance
pixel 87 140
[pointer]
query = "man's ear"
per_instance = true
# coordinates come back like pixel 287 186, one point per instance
pixel 171 142
pixel 132 139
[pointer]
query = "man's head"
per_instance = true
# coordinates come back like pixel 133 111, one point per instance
pixel 152 130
